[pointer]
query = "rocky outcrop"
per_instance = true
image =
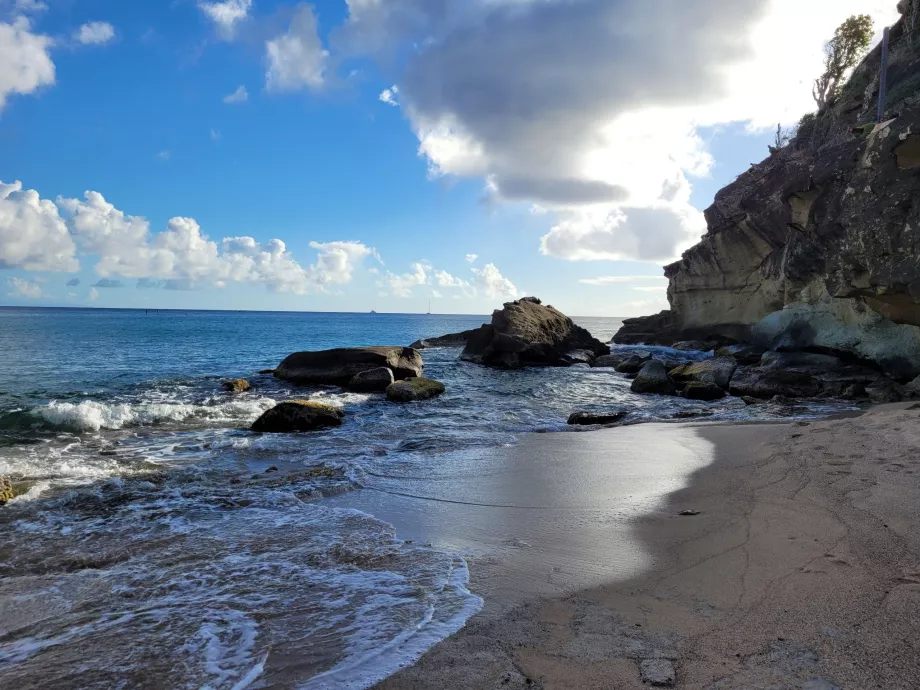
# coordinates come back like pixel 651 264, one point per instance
pixel 338 367
pixel 298 415
pixel 236 386
pixel 527 333
pixel 653 378
pixel 597 418
pixel 414 389
pixel 372 381
pixel 449 340
pixel 817 247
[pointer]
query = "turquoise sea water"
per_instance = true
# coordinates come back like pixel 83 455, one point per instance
pixel 156 545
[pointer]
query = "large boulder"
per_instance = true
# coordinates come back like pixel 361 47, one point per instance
pixel 703 390
pixel 372 380
pixel 298 415
pixel 653 378
pixel 717 370
pixel 743 353
pixel 755 382
pixel 338 367
pixel 414 389
pixel 528 333
pixel 632 364
pixel 449 340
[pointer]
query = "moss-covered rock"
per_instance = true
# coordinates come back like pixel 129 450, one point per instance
pixel 6 491
pixel 414 389
pixel 298 415
pixel 237 386
pixel 717 370
pixel 653 379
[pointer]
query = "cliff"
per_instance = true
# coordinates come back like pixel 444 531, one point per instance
pixel 817 247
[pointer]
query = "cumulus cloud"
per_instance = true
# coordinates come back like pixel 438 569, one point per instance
pixel 389 95
pixel 493 284
pixel 24 288
pixel 29 6
pixel 95 33
pixel 32 234
pixel 610 124
pixel 401 285
pixel 296 59
pixel 25 62
pixel 226 15
pixel 471 258
pixel 241 95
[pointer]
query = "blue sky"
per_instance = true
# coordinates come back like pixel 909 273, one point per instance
pixel 553 160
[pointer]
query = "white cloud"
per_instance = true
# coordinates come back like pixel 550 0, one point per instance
pixel 25 64
pixel 618 280
pixel 389 95
pixel 650 288
pixel 24 288
pixel 297 59
pixel 471 258
pixel 445 279
pixel 32 234
pixel 226 15
pixel 611 124
pixel 401 285
pixel 95 33
pixel 241 95
pixel 492 283
pixel 27 6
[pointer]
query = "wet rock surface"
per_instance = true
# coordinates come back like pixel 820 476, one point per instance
pixel 298 415
pixel 372 381
pixel 339 366
pixel 413 389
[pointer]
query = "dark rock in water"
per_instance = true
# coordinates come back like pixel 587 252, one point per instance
pixel 658 673
pixel 745 353
pixel 703 390
pixel 263 372
pixel 717 370
pixel 759 383
pixel 237 386
pixel 597 418
pixel 298 415
pixel 695 345
pixel 692 414
pixel 449 340
pixel 802 361
pixel 632 364
pixel 748 400
pixel 372 381
pixel 577 357
pixel 413 389
pixel 526 333
pixel 653 378
pixel 338 367
pixel 608 361
pixel 660 329
pixel 6 491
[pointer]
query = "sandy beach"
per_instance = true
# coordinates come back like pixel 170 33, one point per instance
pixel 801 570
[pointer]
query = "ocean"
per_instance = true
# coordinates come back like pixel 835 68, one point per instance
pixel 159 543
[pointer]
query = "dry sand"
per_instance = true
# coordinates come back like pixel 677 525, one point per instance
pixel 802 570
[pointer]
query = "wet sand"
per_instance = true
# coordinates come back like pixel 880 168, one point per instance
pixel 802 569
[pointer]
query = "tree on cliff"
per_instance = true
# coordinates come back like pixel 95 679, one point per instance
pixel 842 53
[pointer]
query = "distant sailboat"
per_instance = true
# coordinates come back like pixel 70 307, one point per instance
pixel 373 312
pixel 429 307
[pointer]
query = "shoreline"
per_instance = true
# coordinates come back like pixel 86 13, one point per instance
pixel 802 570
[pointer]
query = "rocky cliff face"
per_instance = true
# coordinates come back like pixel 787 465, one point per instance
pixel 817 247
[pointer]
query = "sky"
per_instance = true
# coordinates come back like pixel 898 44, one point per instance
pixel 350 155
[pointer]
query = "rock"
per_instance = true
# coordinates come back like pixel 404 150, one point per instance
pixel 338 367
pixel 703 390
pixel 887 391
pixel 660 329
pixel 692 345
pixel 632 364
pixel 608 361
pixel 758 383
pixel 6 491
pixel 263 372
pixel 745 353
pixel 236 386
pixel 855 392
pixel 717 370
pixel 802 361
pixel 372 381
pixel 748 400
pixel 298 415
pixel 413 389
pixel 577 357
pixel 526 333
pixel 691 414
pixel 597 418
pixel 689 513
pixel 449 340
pixel 653 378
pixel 658 673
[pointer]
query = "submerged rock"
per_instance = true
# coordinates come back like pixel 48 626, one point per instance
pixel 597 418
pixel 237 386
pixel 298 415
pixel 372 381
pixel 6 491
pixel 653 378
pixel 449 340
pixel 413 389
pixel 340 366
pixel 527 333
